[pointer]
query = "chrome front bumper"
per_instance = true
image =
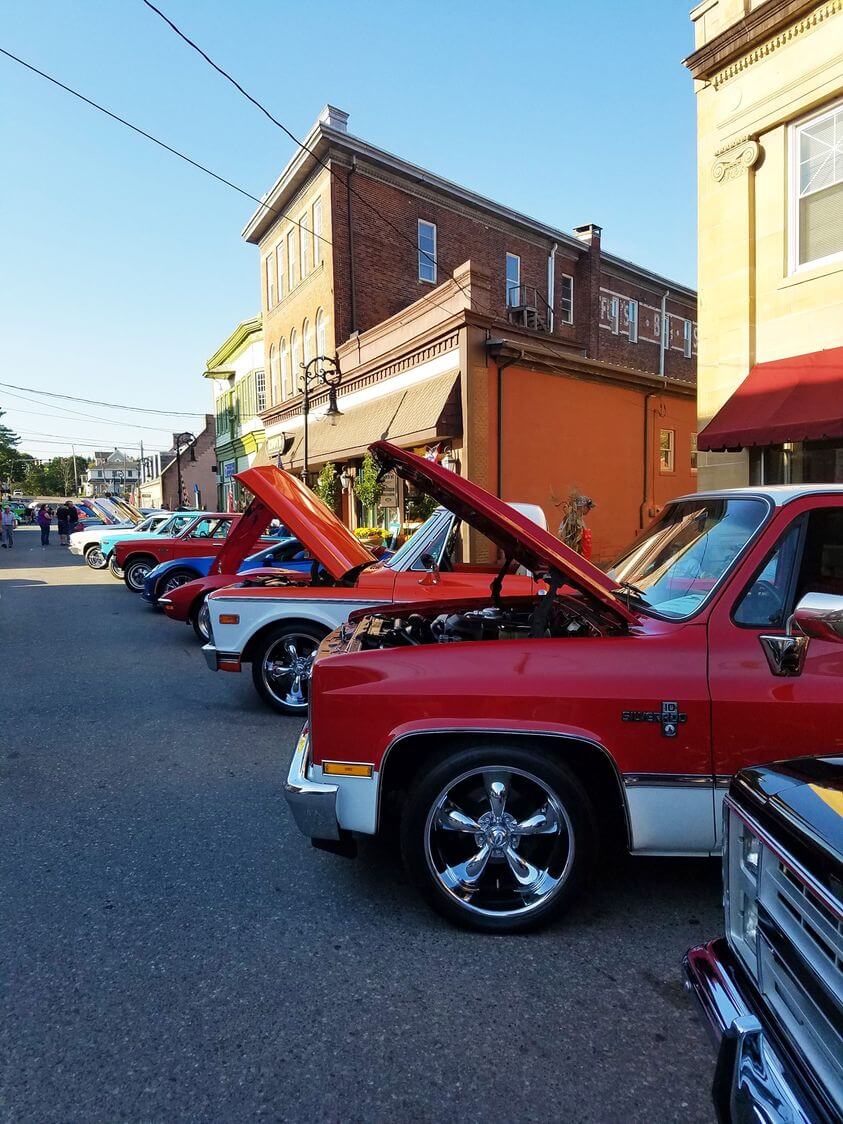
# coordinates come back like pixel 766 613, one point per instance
pixel 313 803
pixel 756 1079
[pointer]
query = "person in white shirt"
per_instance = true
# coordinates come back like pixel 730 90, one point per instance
pixel 8 522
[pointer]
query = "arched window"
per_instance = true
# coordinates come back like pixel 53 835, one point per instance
pixel 321 335
pixel 307 342
pixel 272 374
pixel 295 360
pixel 284 365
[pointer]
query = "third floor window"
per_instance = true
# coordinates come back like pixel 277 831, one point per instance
pixel 566 299
pixel 427 251
pixel 817 196
pixel 513 279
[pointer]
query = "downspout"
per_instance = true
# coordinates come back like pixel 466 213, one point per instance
pixel 351 285
pixel 662 345
pixel 645 499
pixel 502 366
pixel 551 284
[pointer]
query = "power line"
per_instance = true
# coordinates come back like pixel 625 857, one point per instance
pixel 67 414
pixel 97 402
pixel 161 144
pixel 280 124
pixel 100 441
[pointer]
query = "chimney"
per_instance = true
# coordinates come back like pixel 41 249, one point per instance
pixel 589 233
pixel 334 118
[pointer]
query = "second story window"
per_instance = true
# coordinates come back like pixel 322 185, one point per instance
pixel 688 338
pixel 566 299
pixel 427 251
pixel 632 320
pixel 307 342
pixel 273 372
pixel 291 260
pixel 321 333
pixel 817 194
pixel 316 215
pixel 295 361
pixel 270 281
pixel 279 268
pixel 284 371
pixel 667 441
pixel 513 280
pixel 304 247
pixel 260 391
pixel 614 315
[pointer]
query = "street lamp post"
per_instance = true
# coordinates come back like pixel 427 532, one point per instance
pixel 183 439
pixel 324 370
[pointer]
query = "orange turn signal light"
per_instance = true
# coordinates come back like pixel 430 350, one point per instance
pixel 229 618
pixel 346 769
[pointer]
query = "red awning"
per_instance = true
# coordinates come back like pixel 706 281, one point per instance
pixel 796 399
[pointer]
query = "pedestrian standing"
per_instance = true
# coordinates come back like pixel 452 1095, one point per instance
pixel 72 516
pixel 61 520
pixel 43 519
pixel 8 522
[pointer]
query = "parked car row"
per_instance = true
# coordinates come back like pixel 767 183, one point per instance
pixel 508 719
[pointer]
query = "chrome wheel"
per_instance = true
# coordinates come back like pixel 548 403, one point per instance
pixel 135 575
pixel 286 666
pixel 203 621
pixel 173 582
pixel 499 842
pixel 114 569
pixel 95 559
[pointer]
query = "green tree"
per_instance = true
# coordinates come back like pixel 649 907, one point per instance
pixel 60 478
pixel 8 438
pixel 367 486
pixel 327 486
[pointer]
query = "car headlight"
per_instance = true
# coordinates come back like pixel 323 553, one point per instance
pixel 742 863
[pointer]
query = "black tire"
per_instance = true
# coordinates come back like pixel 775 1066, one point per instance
pixel 94 557
pixel 135 571
pixel 436 855
pixel 278 691
pixel 198 612
pixel 115 570
pixel 173 580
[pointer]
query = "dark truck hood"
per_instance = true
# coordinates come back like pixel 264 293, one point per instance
pixel 806 792
pixel 278 494
pixel 515 534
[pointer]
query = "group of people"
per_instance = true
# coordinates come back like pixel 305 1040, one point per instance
pixel 66 516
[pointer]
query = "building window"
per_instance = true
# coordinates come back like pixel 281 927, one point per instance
pixel 295 359
pixel 693 452
pixel 291 260
pixel 817 192
pixel 316 214
pixel 566 303
pixel 614 315
pixel 273 374
pixel 513 280
pixel 307 342
pixel 688 338
pixel 632 320
pixel 270 282
pixel 427 251
pixel 279 268
pixel 667 442
pixel 666 332
pixel 304 247
pixel 321 334
pixel 283 369
pixel 260 391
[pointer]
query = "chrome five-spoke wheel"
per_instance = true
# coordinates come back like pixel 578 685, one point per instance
pixel 281 668
pixel 500 843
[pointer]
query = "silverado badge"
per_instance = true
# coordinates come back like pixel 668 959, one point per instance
pixel 670 718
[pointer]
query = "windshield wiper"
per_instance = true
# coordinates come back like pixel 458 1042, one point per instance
pixel 634 591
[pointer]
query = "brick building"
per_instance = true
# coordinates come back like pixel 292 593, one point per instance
pixel 159 483
pixel 350 236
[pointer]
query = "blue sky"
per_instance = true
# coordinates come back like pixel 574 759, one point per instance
pixel 123 269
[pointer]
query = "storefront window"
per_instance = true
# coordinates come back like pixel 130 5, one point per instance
pixel 809 462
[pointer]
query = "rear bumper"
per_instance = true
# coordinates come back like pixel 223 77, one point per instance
pixel 759 1076
pixel 313 803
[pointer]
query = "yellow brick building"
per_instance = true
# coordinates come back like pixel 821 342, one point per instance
pixel 769 86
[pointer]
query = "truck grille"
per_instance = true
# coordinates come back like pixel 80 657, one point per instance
pixel 800 965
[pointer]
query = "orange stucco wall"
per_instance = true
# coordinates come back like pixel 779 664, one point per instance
pixel 562 432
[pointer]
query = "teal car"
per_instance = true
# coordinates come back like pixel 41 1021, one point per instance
pixel 167 524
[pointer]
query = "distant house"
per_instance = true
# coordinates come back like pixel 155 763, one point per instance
pixel 110 472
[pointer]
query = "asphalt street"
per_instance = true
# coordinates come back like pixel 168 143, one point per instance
pixel 173 949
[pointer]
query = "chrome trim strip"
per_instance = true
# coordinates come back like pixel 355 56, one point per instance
pixel 723 780
pixel 306 590
pixel 793 865
pixel 668 780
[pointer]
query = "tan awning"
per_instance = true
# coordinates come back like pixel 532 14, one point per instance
pixel 424 412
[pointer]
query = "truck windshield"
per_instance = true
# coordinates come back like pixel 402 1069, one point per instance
pixel 683 555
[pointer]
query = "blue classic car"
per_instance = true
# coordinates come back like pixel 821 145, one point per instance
pixel 287 553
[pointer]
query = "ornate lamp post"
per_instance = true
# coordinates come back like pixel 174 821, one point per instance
pixel 326 371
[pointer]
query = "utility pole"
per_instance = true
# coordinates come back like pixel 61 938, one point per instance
pixel 75 470
pixel 140 470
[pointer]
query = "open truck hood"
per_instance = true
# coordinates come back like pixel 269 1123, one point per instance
pixel 280 495
pixel 517 536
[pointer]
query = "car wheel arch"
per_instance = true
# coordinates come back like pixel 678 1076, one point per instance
pixel 256 637
pixel 590 760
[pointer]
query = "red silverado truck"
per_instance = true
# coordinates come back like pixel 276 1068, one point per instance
pixel 510 736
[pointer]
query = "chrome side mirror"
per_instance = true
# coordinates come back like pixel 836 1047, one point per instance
pixel 819 615
pixel 432 576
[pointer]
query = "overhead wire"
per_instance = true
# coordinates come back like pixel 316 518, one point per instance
pixel 98 402
pixel 67 414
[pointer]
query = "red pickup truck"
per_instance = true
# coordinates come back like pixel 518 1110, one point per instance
pixel 205 535
pixel 511 736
